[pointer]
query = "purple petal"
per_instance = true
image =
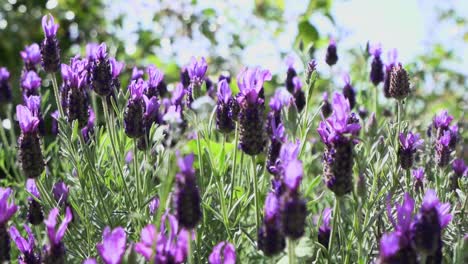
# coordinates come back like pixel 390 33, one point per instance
pixel 32 188
pixel 63 227
pixel 271 206
pixel 293 175
pixel 113 245
pixel 90 261
pixel 224 92
pixel 389 244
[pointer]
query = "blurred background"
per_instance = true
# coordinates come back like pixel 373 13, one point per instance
pixel 431 36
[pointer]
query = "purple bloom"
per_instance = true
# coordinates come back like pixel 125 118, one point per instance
pixel 459 167
pixel 408 146
pixel 25 246
pixel 418 175
pixel 178 95
pixel 331 57
pixel 377 73
pixel 151 107
pixel 32 189
pixel 443 120
pixel 250 82
pixel 348 91
pixel 430 200
pixel 325 228
pixel 7 209
pixel 56 235
pixel 60 191
pixel 137 73
pixel 223 253
pixel 116 67
pixel 31 56
pixel 49 26
pixel 129 157
pixel 31 83
pixel 155 79
pixel 137 88
pixel 224 121
pixel 270 236
pixel 443 150
pixel 154 205
pixel 224 92
pixel 90 261
pixel 5 89
pixel 33 103
pixel 197 70
pixel 91 49
pixel 280 99
pixel 101 52
pixel 27 121
pixel 271 206
pixel 112 247
pixel 311 68
pixel 389 246
pixel 404 213
pixel 293 175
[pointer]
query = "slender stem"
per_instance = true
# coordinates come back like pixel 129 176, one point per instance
pixel 137 174
pixel 12 130
pixel 336 213
pixel 57 95
pixel 255 182
pixel 376 100
pixel 190 249
pixel 233 174
pixel 200 161
pixel 291 253
pixel 398 123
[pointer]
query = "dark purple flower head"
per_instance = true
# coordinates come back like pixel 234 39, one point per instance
pixel 56 235
pixel 293 174
pixel 280 99
pixel 410 142
pixel 271 206
pixel 151 106
pixel 311 67
pixel 112 247
pixel 224 92
pixel 348 91
pixel 31 81
pixel 60 191
pixel 49 26
pixel 404 213
pixel 27 121
pixel 116 67
pixel 443 120
pixel 459 167
pixel 250 82
pixel 137 88
pixel 25 246
pixel 155 76
pixel 389 245
pixel 376 50
pixel 197 70
pixel 7 209
pixel 100 53
pixel 445 139
pixel 331 57
pixel 338 124
pixel 31 56
pixel 430 200
pixel 326 217
pixel 73 77
pixel 137 73
pixel 32 188
pixel 223 253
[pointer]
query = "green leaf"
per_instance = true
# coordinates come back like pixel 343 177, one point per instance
pixel 304 248
pixel 308 34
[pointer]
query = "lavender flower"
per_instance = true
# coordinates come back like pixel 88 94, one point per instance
pixel 116 70
pixel 54 127
pixel 7 210
pixel 136 74
pixel 31 56
pixel 112 247
pixel 101 72
pixel 150 117
pixel 134 111
pixel 376 73
pixel 224 122
pixel 30 84
pixel 408 146
pixel 77 101
pixel 326 109
pixel 90 261
pixel 171 248
pixel 196 72
pixel 252 138
pixel 337 132
pixel 391 251
pixel 184 77
pixel 392 57
pixel 88 131
pixel 33 103
pixel 282 98
pixel 443 150
pixel 311 68
pixel 299 96
pixel 60 192
pixel 277 139
pixel 223 253
pixel 428 225
pixel 290 75
pixel 156 85
pixel 418 175
pixel 399 82
pixel 442 123
pixel 35 215
pixel 153 205
pixel 325 228
pixel 187 197
pixel 270 236
pixel 29 145
pixel 348 91
pixel 50 50
pixel 459 170
pixel 331 57
pixel 25 246
pixel 5 89
pixel 55 251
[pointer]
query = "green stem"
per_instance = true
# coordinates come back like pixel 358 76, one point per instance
pixel 200 162
pixel 190 249
pixel 255 183
pixel 291 253
pixel 376 100
pixel 57 95
pixel 233 174
pixel 137 174
pixel 336 213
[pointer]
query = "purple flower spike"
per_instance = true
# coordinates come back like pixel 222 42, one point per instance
pixel 430 200
pixel 197 70
pixel 32 188
pixel 271 206
pixel 60 191
pixel 178 95
pixel 49 26
pixel 137 73
pixel 27 121
pixel 91 49
pixel 7 209
pixel 223 253
pixel 101 52
pixel 156 85
pixel 154 205
pixel 31 56
pixel 137 88
pixel 410 141
pixel 250 82
pixel 459 167
pixel 25 246
pixel 224 92
pixel 30 83
pixel 224 120
pixel 112 247
pixel 348 91
pixel 418 175
pixel 325 228
pixel 331 56
pixel 33 103
pixel 116 67
pixel 293 175
pixel 389 245
pixel 185 165
pixel 281 98
pixel 443 120
pixel 56 236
